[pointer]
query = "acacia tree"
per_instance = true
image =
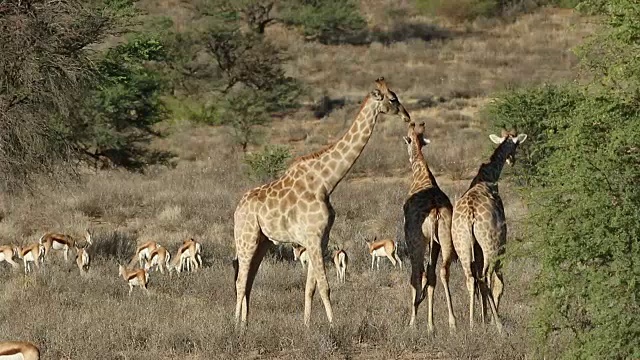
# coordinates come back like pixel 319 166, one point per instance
pixel 61 101
pixel 326 21
pixel 44 71
pixel 584 167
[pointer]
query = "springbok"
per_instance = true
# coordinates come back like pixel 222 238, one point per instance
pixel 193 250
pixel 383 248
pixel 31 254
pixel 18 350
pixel 7 252
pixel 181 261
pixel 143 253
pixel 138 277
pixel 158 259
pixel 82 259
pixel 340 259
pixel 300 254
pixel 60 242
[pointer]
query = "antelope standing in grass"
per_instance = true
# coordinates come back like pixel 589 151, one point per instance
pixel 193 250
pixel 31 254
pixel 301 254
pixel 383 248
pixel 143 253
pixel 159 258
pixel 138 277
pixel 60 242
pixel 7 252
pixel 340 259
pixel 18 350
pixel 180 262
pixel 82 259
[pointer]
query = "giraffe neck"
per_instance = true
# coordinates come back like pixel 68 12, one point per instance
pixel 337 160
pixel 490 172
pixel 422 176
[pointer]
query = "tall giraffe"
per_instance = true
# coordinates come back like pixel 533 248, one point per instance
pixel 427 223
pixel 296 208
pixel 479 228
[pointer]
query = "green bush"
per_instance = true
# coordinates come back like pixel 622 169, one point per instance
pixel 540 113
pixel 467 10
pixel 119 117
pixel 326 21
pixel 268 164
pixel 45 72
pixel 583 197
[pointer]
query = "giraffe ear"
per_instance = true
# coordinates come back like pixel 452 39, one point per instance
pixel 521 138
pixel 425 141
pixel 407 140
pixel 381 84
pixel 496 139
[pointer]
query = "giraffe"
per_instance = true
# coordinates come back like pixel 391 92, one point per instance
pixel 427 224
pixel 296 207
pixel 479 228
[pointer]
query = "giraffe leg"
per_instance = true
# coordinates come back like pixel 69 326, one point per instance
pixel 320 274
pixel 417 281
pixel 263 245
pixel 489 272
pixel 373 260
pixel 249 239
pixel 478 271
pixel 431 282
pixel 497 287
pixel 444 277
pixel 309 291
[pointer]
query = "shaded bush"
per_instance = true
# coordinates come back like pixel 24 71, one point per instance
pixel 115 244
pixel 44 71
pixel 467 10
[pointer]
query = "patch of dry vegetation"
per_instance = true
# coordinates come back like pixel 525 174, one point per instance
pixel 444 82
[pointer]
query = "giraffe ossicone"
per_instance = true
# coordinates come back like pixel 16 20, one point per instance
pixel 296 207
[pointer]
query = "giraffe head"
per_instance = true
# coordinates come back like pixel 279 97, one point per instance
pixel 509 141
pixel 387 101
pixel 415 139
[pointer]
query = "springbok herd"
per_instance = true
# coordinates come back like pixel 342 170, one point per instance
pixel 296 209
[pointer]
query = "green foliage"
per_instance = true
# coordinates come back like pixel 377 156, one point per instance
pixel 45 72
pixel 249 60
pixel 468 10
pixel 255 13
pixel 268 164
pixel 244 110
pixel 326 21
pixel 540 113
pixel 460 10
pixel 584 167
pixel 119 116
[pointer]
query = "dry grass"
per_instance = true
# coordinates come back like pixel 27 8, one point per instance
pixel 443 82
pixel 93 318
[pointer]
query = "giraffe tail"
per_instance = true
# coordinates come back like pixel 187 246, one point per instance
pixel 236 266
pixel 435 220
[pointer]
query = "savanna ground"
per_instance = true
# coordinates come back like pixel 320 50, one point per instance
pixel 443 73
